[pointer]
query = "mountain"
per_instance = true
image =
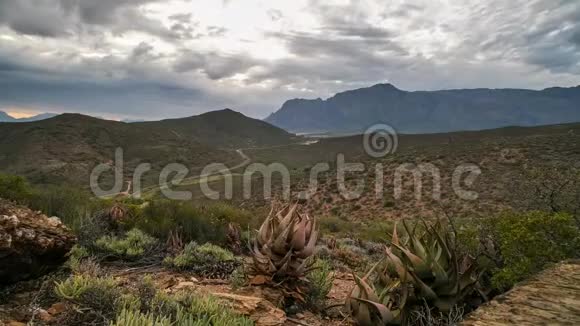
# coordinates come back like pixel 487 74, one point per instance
pixel 65 148
pixel 5 117
pixel 428 112
pixel 225 129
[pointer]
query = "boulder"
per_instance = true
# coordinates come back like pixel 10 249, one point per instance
pixel 31 243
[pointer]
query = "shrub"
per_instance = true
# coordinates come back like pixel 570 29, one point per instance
pixel 353 257
pixel 71 205
pixel 239 277
pixel 76 255
pixel 136 244
pixel 14 188
pixel 129 317
pixel 195 223
pixel 530 241
pixel 207 260
pixel 100 301
pixel 320 282
pixel 333 224
pixel 94 299
pixel 195 309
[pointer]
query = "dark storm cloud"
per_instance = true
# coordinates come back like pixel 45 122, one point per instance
pixel 101 12
pixel 542 35
pixel 575 38
pixel 213 65
pixel 58 18
pixel 416 45
pixel 40 18
pixel 111 98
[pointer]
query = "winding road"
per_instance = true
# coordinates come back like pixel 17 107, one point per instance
pixel 245 160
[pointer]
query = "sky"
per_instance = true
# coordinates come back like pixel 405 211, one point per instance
pixel 154 59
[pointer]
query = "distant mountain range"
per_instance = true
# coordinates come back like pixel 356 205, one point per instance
pixel 65 148
pixel 5 117
pixel 429 111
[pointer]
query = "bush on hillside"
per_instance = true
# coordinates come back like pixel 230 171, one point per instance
pixel 207 260
pixel 529 241
pixel 134 245
pixel 14 188
pixel 100 301
pixel 320 281
pixel 92 299
pixel 195 223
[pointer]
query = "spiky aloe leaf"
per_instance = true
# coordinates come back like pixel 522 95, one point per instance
pixel 310 246
pixel 385 316
pixel 299 236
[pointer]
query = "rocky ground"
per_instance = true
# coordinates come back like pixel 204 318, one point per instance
pixel 550 298
pixel 30 242
pixel 26 303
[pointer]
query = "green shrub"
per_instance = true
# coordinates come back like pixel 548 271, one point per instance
pixel 186 310
pixel 71 205
pixel 14 188
pixel 94 299
pixel 100 301
pixel 239 277
pixel 193 309
pixel 76 255
pixel 129 317
pixel 334 225
pixel 136 244
pixel 195 223
pixel 194 254
pixel 207 260
pixel 320 282
pixel 530 241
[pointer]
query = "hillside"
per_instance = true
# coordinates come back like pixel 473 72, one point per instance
pixel 65 148
pixel 428 112
pixel 224 129
pixel 506 157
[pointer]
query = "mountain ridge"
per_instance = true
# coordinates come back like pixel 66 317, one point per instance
pixel 5 117
pixel 64 148
pixel 429 111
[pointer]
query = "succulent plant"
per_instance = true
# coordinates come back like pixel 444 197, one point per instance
pixel 369 308
pixel 424 267
pixel 432 265
pixel 283 245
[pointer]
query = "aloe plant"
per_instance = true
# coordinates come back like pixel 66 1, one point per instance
pixel 369 307
pixel 283 245
pixel 429 261
pixel 424 267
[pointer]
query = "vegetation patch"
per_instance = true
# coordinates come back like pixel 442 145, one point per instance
pixel 207 260
pixel 135 244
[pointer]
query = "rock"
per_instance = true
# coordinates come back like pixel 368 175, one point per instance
pixel 30 243
pixel 57 308
pixel 44 315
pixel 184 285
pixel 14 323
pixel 261 311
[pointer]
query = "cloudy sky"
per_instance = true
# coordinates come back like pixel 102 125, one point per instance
pixel 152 59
